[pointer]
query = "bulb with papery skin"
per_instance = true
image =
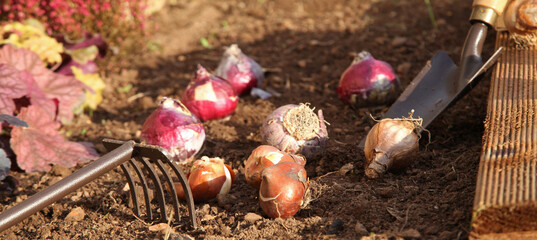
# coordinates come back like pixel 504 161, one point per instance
pixel 391 145
pixel 282 190
pixel 172 127
pixel 242 72
pixel 209 97
pixel 368 82
pixel 296 129
pixel 208 177
pixel 265 156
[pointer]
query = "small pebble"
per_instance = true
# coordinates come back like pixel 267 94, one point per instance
pixel 77 214
pixel 252 217
pixel 336 226
pixel 302 63
pixel 207 217
pixel 409 233
pixel 147 102
pixel 398 41
pixel 58 170
pixel 178 236
pixel 161 227
pixel 404 67
pixel 385 192
pixel 360 229
pixel 225 199
pixel 345 169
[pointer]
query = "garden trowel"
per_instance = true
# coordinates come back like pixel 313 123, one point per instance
pixel 441 82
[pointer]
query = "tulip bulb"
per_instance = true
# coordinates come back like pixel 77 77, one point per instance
pixel 390 145
pixel 282 189
pixel 265 156
pixel 208 177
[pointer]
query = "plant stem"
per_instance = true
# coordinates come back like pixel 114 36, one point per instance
pixel 431 13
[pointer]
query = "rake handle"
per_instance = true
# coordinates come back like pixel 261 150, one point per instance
pixel 65 186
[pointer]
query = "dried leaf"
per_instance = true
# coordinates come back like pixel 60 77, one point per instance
pixel 40 145
pixel 11 86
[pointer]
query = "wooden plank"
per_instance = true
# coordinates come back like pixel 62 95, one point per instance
pixel 505 200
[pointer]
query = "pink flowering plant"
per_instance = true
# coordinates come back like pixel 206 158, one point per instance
pixel 115 20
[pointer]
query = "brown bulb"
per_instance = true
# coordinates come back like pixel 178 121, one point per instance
pixel 390 146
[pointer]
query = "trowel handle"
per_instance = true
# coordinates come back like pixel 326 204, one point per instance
pixel 496 5
pixel 487 11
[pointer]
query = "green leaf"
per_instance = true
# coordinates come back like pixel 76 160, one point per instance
pixel 83 55
pixel 125 89
pixel 205 43
pixel 225 24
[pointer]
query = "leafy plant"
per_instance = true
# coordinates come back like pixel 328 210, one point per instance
pixel 431 14
pixel 41 144
pixel 24 72
pixel 32 36
pixel 43 99
pixel 122 23
pixel 94 81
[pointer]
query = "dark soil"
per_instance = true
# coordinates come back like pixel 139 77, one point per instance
pixel 305 45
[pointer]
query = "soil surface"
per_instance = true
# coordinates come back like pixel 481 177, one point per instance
pixel 305 46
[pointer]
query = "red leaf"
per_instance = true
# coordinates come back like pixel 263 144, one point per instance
pixel 67 90
pixel 11 86
pixel 37 96
pixel 40 145
pixel 23 59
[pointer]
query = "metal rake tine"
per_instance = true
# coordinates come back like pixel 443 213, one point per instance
pixel 186 189
pixel 149 155
pixel 134 192
pixel 158 186
pixel 169 180
pixel 141 176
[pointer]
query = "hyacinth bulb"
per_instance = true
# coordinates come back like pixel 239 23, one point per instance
pixel 368 82
pixel 172 127
pixel 209 97
pixel 390 146
pixel 296 129
pixel 242 72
